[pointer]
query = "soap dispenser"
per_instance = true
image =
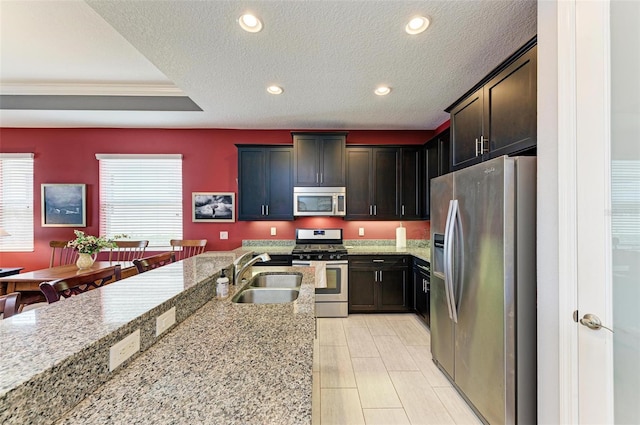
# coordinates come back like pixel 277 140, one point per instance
pixel 222 286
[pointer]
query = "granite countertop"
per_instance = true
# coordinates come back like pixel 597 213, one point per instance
pixel 227 363
pixel 55 356
pixel 418 249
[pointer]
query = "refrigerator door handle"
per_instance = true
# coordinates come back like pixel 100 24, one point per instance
pixel 457 225
pixel 449 253
pixel 447 258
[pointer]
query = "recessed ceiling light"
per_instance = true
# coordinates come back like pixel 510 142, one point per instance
pixel 382 91
pixel 417 25
pixel 250 23
pixel 275 89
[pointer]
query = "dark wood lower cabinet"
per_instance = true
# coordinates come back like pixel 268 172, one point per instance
pixel 379 283
pixel 421 287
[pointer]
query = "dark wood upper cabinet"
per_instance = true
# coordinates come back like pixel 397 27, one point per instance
pixel 466 129
pixel 373 183
pixel 265 189
pixel 386 183
pixel 436 162
pixel 319 159
pixel 498 117
pixel 411 184
pixel 511 107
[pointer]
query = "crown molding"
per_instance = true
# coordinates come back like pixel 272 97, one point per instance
pixel 89 89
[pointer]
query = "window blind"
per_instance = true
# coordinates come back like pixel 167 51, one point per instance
pixel 141 196
pixel 16 201
pixel 625 203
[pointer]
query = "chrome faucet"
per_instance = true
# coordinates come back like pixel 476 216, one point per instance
pixel 247 265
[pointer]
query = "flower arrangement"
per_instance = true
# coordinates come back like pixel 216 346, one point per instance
pixel 88 244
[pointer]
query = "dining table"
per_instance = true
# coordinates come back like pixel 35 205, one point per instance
pixel 28 284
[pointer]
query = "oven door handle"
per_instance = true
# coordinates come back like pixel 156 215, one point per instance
pixel 297 263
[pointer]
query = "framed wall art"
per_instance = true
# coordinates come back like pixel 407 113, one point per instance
pixel 64 205
pixel 214 207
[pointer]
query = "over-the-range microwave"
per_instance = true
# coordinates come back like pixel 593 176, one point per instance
pixel 319 201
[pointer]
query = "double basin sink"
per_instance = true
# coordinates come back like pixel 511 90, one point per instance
pixel 270 288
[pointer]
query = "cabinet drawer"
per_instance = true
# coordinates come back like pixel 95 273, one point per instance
pixel 379 261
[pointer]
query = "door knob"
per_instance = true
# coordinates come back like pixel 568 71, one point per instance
pixel 593 322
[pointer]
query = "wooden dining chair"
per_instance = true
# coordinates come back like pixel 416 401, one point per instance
pixel 64 253
pixel 188 247
pixel 68 287
pixel 127 250
pixel 154 261
pixel 9 304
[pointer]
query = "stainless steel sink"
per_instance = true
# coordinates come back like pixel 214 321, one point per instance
pixel 280 280
pixel 266 295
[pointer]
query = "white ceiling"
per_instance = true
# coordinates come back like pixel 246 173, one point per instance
pixel 328 56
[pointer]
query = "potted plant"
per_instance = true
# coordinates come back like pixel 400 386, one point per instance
pixel 88 247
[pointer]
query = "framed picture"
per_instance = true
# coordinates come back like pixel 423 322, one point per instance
pixel 64 205
pixel 214 207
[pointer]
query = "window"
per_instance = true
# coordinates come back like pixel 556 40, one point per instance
pixel 625 204
pixel 141 196
pixel 16 201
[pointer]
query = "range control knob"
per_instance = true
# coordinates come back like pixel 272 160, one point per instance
pixel 319 256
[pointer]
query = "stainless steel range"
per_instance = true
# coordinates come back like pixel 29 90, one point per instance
pixel 323 249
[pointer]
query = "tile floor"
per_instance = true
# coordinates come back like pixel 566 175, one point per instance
pixel 376 369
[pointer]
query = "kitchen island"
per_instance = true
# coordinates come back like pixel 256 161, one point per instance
pixel 226 364
pixel 222 363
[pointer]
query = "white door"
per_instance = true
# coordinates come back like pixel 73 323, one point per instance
pixel 607 176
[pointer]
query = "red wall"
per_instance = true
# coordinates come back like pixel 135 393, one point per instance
pixel 210 163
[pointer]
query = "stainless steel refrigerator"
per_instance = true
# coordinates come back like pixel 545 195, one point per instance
pixel 483 286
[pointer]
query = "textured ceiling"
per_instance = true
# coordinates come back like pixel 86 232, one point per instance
pixel 327 55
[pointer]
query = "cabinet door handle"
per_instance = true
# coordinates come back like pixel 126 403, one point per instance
pixel 482 149
pixel 370 209
pixel 378 261
pixel 380 275
pixel 476 146
pixel 402 213
pixel 375 210
pixel 317 179
pixel 321 177
pixel 375 276
pixel 267 209
pixel 261 209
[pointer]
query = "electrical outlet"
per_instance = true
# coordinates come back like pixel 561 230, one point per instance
pixel 122 350
pixel 224 235
pixel 165 321
pixel 273 231
pixel 361 231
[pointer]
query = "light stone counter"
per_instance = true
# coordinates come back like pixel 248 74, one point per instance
pixel 424 253
pixel 55 356
pixel 416 248
pixel 226 364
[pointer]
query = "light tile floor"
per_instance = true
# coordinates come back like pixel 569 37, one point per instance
pixel 376 369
